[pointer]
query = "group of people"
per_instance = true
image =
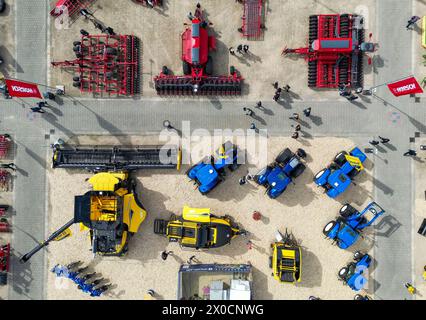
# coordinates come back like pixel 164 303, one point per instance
pixel 86 282
pixel 296 117
pixel 98 25
pixel 241 49
pixel 346 91
pixel 279 91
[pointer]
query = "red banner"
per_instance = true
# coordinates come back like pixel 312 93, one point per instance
pixel 22 89
pixel 406 86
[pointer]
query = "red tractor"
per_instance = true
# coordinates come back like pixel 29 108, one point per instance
pixel 197 66
pixel 335 51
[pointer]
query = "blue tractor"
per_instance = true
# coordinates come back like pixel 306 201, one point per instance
pixel 354 273
pixel 337 177
pixel 210 171
pixel 279 174
pixel 347 228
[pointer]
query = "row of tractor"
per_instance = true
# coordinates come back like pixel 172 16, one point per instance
pixel 112 212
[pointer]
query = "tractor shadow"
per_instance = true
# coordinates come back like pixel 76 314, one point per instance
pixel 260 285
pixel 21 276
pixel 311 270
pixel 299 193
pixel 386 226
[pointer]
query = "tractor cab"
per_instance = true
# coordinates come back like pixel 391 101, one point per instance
pixel 197 228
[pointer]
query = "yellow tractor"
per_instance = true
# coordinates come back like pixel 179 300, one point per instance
pixel 111 213
pixel 286 259
pixel 198 228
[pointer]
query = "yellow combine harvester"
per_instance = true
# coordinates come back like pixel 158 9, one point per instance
pixel 110 212
pixel 198 228
pixel 286 259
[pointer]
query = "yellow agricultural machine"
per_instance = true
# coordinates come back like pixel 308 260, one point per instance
pixel 198 228
pixel 111 212
pixel 286 259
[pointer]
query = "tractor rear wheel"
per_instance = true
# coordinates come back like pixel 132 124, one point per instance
pixel 284 156
pixel 301 153
pixel 328 227
pixel 358 255
pixel 343 273
pixel 209 66
pixel 340 158
pixel 347 210
pixel 186 68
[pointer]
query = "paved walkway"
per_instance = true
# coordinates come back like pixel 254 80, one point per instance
pixel 363 120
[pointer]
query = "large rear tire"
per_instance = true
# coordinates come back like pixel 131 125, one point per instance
pixel 298 170
pixel 343 273
pixel 328 227
pixel 347 210
pixel 284 156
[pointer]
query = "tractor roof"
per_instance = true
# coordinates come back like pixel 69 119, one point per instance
pixel 207 174
pixel 195 43
pixel 278 177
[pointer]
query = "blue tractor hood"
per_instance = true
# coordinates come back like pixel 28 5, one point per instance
pixel 277 181
pixel 339 182
pixel 344 235
pixel 206 175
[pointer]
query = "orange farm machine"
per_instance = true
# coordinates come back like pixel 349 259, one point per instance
pixel 335 50
pixel 197 64
pixel 105 64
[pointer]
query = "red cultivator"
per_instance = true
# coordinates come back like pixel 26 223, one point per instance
pixel 106 64
pixel 197 66
pixel 252 18
pixel 4 263
pixel 4 145
pixel 335 51
pixel 69 7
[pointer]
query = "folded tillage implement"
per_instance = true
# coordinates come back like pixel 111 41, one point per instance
pixel 105 64
pixel 197 63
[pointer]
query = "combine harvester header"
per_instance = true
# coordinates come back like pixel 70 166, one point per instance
pixel 113 158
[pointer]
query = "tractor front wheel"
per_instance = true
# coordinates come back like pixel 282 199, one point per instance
pixel 347 210
pixel 358 255
pixel 343 273
pixel 328 227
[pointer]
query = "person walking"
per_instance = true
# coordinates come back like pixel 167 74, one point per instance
pixel 286 88
pixel 245 48
pixel 253 126
pixel 278 91
pixel 276 97
pixel 295 116
pixel 374 142
pixel 411 290
pixel 384 140
pixel 165 254
pixel 192 259
pixel 242 181
pixel 295 135
pixel 412 21
pixel 259 105
pixel 10 166
pixel 275 85
pixel 240 49
pixel 167 124
pixel 307 111
pixel 410 152
pixel 248 112
pixel 190 16
pixel 231 51
pixel 49 95
pixel 297 128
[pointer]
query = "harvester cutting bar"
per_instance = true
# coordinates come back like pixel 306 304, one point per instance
pixel 69 7
pixel 117 158
pixel 252 18
pixel 106 63
pixel 186 85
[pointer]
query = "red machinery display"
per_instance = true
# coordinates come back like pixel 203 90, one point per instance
pixel 106 64
pixel 4 263
pixel 252 18
pixel 71 7
pixel 4 145
pixel 197 66
pixel 335 50
pixel 4 180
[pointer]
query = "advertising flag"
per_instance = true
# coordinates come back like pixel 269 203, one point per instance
pixel 404 87
pixel 22 89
